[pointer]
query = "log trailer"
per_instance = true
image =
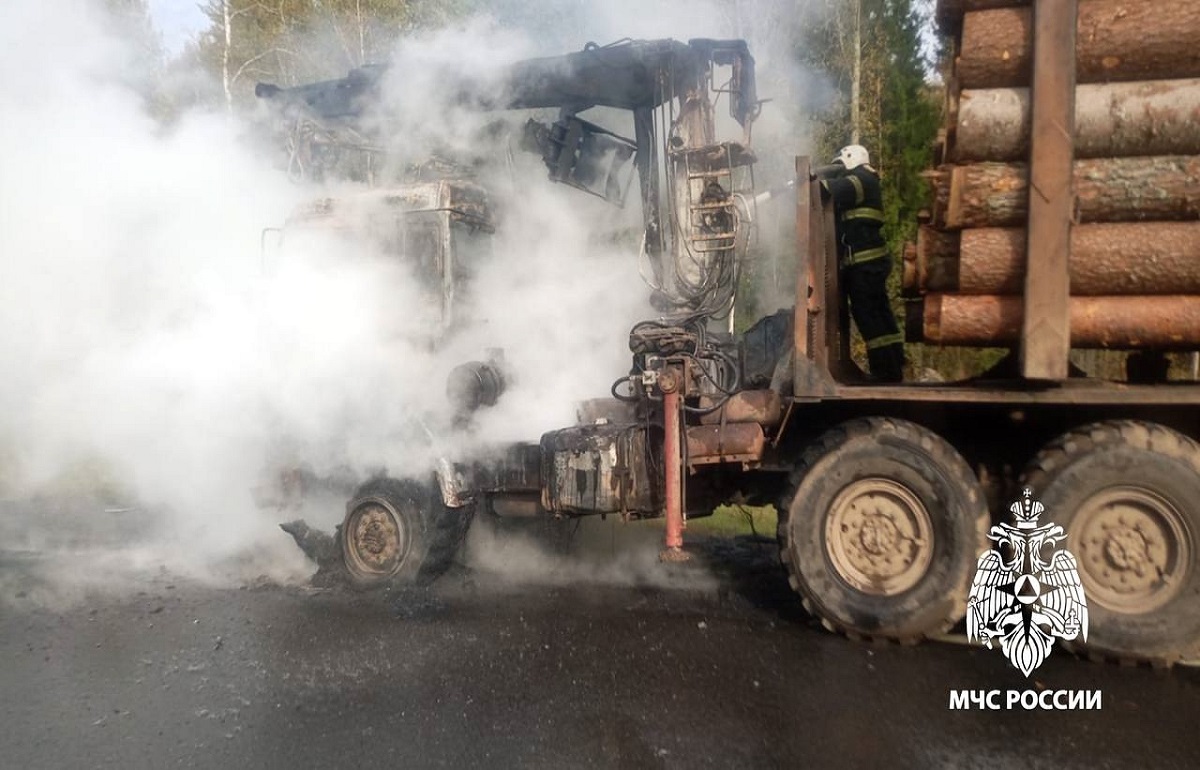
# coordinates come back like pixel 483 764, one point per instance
pixel 884 493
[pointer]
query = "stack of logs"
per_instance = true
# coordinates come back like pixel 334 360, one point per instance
pixel 1135 244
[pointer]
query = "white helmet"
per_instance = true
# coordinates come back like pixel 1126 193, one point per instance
pixel 853 156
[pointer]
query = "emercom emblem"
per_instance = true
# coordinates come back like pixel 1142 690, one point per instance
pixel 1026 592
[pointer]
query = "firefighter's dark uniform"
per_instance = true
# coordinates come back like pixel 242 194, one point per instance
pixel 858 200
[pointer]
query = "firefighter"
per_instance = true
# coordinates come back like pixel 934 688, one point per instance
pixel 858 202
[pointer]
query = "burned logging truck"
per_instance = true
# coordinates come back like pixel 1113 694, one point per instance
pixel 885 493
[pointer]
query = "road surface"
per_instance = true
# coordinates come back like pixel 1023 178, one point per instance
pixel 710 665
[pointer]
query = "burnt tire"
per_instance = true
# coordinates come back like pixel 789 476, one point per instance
pixel 881 529
pixel 399 532
pixel 1128 495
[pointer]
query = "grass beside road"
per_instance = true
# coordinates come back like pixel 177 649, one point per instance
pixel 726 521
pixel 728 524
pixel 734 520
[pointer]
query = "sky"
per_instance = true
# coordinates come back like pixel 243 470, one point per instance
pixel 177 20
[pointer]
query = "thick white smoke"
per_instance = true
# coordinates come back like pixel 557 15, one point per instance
pixel 142 328
pixel 144 331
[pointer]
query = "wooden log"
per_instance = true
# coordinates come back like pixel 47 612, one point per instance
pixel 1136 258
pixel 1157 117
pixel 938 245
pixel 1118 40
pixel 914 319
pixel 959 7
pixel 1165 187
pixel 950 12
pixel 910 276
pixel 1119 323
pixel 952 91
pixel 936 259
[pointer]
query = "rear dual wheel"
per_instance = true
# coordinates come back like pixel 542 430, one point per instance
pixel 881 530
pixel 1128 495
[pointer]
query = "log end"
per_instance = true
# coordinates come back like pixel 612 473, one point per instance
pixel 931 314
pixel 910 283
pixel 914 319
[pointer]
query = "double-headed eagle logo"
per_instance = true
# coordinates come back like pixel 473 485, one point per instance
pixel 1023 596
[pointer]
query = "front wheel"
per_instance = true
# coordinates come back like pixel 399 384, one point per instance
pixel 881 530
pixel 398 531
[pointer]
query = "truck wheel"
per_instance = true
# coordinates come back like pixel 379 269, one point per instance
pixel 1128 495
pixel 881 530
pixel 399 532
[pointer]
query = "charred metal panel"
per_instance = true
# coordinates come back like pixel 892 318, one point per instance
pixel 515 506
pixel 584 156
pixel 764 407
pixel 741 442
pixel 514 469
pixel 599 469
pixel 467 202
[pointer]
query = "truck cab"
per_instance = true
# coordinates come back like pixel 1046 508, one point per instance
pixel 441 230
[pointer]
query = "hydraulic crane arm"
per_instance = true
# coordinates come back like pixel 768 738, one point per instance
pixel 695 226
pixel 630 75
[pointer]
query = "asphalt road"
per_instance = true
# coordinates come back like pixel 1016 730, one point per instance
pixel 712 665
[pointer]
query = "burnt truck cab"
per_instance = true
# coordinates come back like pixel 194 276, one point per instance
pixel 694 173
pixel 440 230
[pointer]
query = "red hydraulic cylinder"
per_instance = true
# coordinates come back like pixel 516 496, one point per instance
pixel 673 460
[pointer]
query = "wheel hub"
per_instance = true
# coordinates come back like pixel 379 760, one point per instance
pixel 1127 549
pixel 878 537
pixel 376 539
pixel 1134 550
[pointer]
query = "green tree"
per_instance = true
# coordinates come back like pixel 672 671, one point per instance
pixel 294 41
pixel 896 114
pixel 874 49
